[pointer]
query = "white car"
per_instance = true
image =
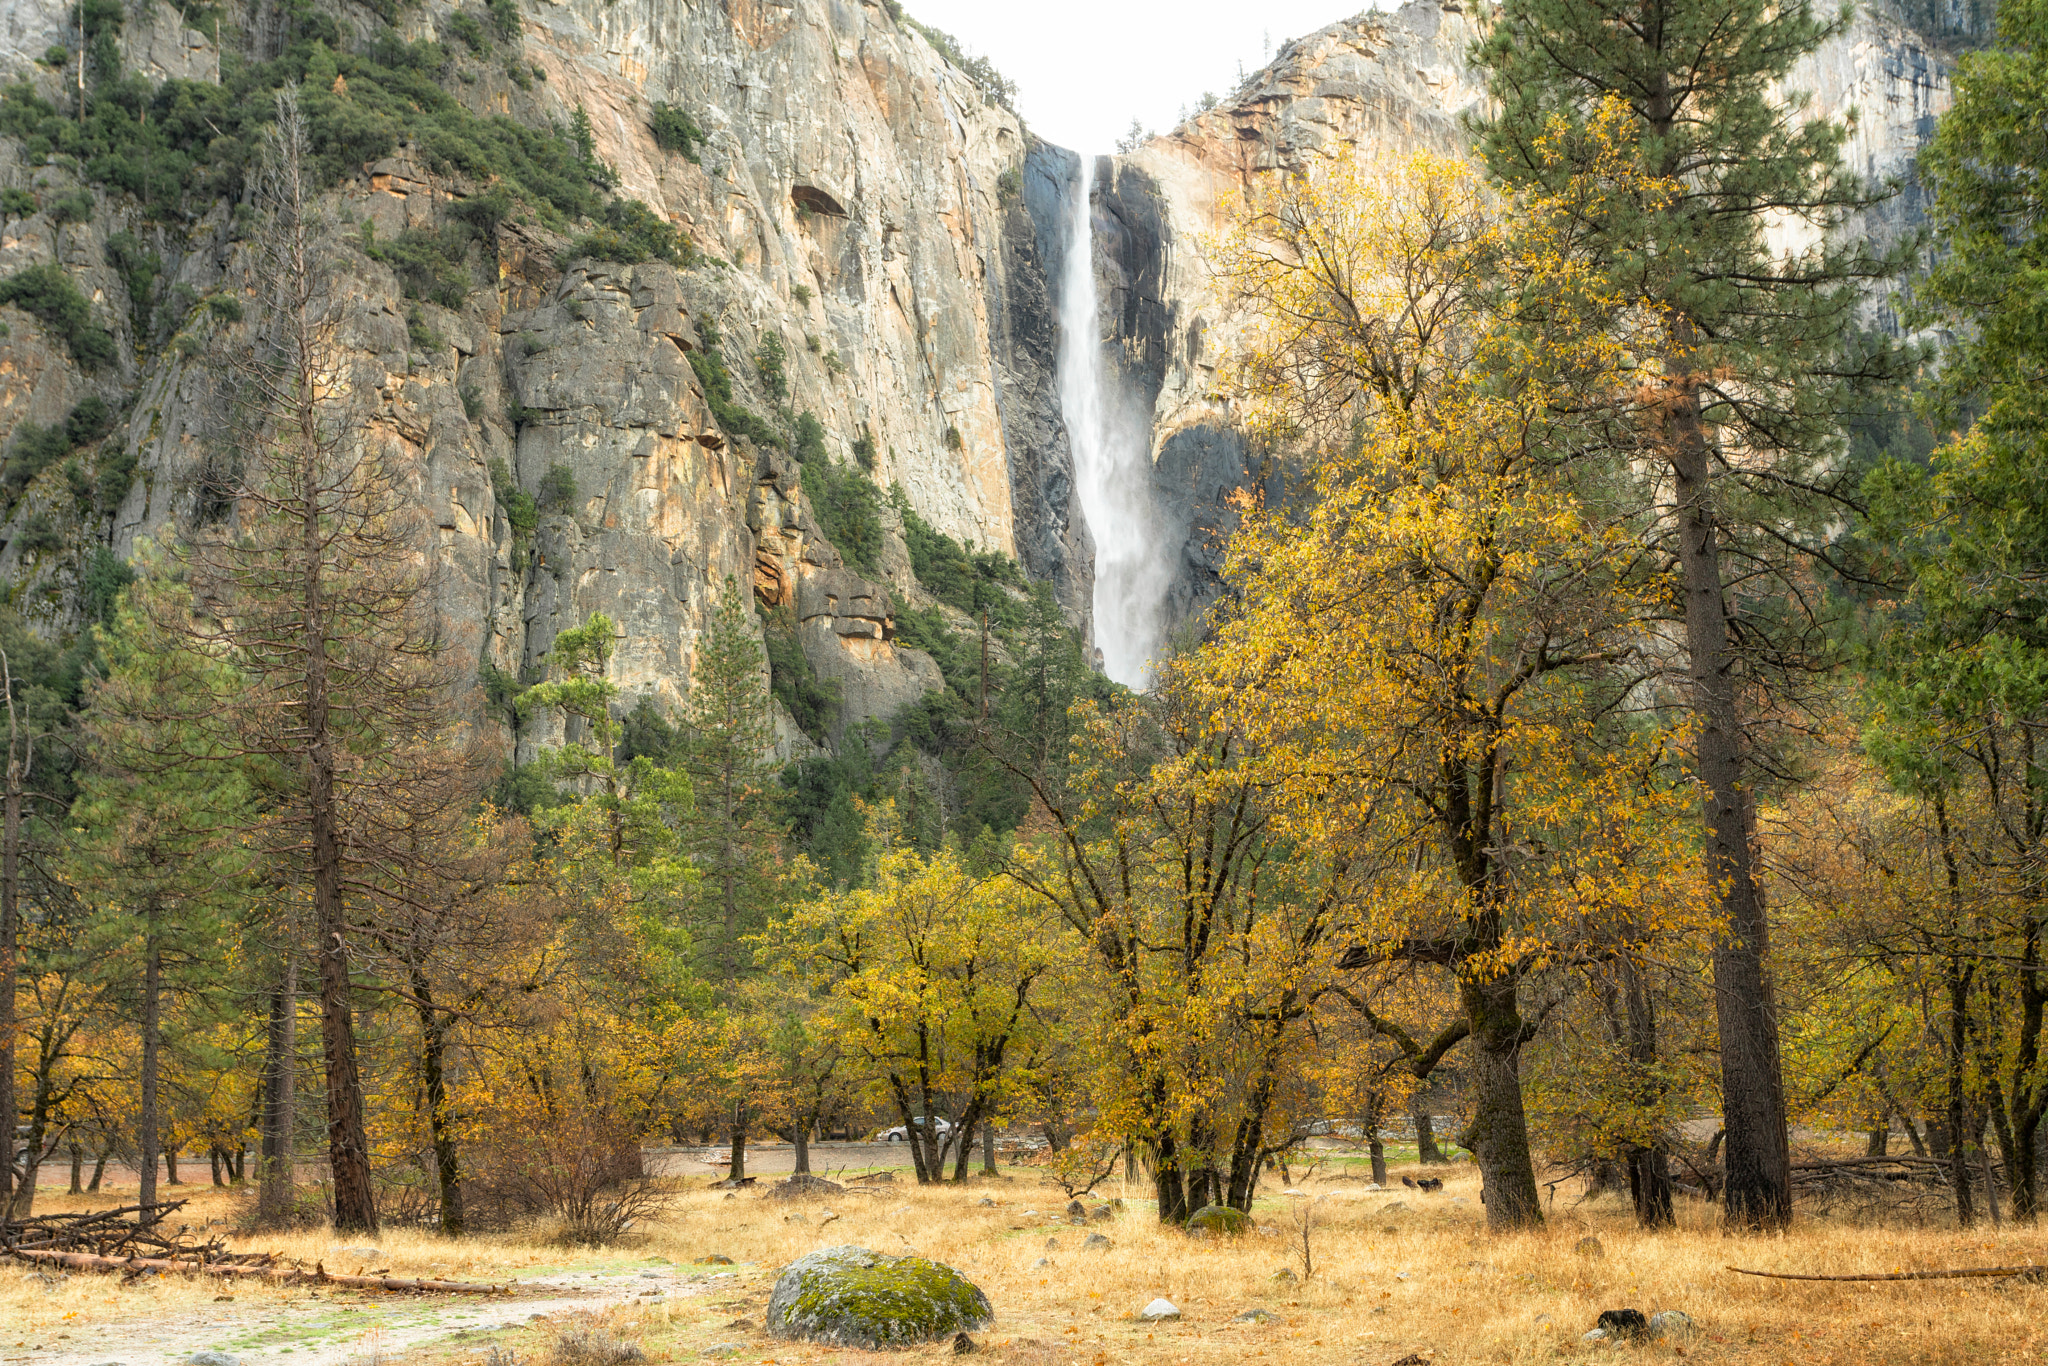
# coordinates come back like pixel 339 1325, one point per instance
pixel 901 1134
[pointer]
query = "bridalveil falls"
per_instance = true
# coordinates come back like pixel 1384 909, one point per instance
pixel 1112 446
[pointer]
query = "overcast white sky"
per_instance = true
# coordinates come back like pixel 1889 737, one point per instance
pixel 1085 68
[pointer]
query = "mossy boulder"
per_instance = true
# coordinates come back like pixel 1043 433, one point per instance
pixel 1220 1219
pixel 851 1297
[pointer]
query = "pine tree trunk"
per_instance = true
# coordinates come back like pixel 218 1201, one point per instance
pixel 10 941
pixel 1499 1136
pixel 1759 1159
pixel 738 1170
pixel 280 1106
pixel 147 1118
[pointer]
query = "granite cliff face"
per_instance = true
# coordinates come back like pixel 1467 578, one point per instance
pixel 1398 81
pixel 856 196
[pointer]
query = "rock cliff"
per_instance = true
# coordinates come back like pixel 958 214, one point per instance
pixel 1398 81
pixel 874 241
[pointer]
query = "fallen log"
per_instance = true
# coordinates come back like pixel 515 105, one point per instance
pixel 1964 1273
pixel 319 1275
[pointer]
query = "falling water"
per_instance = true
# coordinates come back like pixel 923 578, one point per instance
pixel 1112 465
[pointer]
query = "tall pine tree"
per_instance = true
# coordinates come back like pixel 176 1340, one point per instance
pixel 1659 129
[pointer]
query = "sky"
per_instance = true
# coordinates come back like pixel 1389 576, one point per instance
pixel 1085 68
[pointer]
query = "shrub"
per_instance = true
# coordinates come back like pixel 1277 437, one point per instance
pixel 971 580
pixel 630 233
pixel 849 511
pixel 226 307
pixel 139 268
pixel 675 131
pixel 1009 184
pixel 472 402
pixel 811 703
pixel 575 1170
pixel 802 294
pixel 709 364
pixel 557 490
pixel 504 18
pixel 810 438
pixel 471 33
pixel 864 446
pixel 953 441
pixel 17 203
pixel 431 263
pixel 421 335
pixel 107 576
pixel 47 294
pixel 589 1345
pixel 40 535
pixel 771 360
pixel 521 514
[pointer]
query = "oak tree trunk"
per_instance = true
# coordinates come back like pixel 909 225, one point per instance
pixel 1499 1134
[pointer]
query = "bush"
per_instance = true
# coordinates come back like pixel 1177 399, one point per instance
pixel 582 1175
pixel 810 438
pixel 139 268
pixel 40 535
pixel 431 263
pixel 521 514
pixel 471 33
pixel 849 511
pixel 792 681
pixel 589 1345
pixel 630 233
pixel 37 448
pixel 504 18
pixel 107 577
pixel 675 131
pixel 557 490
pixel 864 445
pixel 226 307
pixel 47 294
pixel 802 294
pixel 17 203
pixel 709 364
pixel 771 360
pixel 971 580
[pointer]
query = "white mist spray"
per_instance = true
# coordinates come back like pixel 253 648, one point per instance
pixel 1112 465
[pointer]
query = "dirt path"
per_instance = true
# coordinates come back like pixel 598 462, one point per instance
pixel 342 1330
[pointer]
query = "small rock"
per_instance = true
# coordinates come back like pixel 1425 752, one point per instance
pixel 1290 1191
pixel 212 1359
pixel 794 1219
pixel 985 1203
pixel 362 1252
pixel 717 1259
pixel 1396 1208
pixel 1401 1275
pixel 1101 1214
pixel 962 1344
pixel 1052 1245
pixel 1460 1200
pixel 1095 1242
pixel 1589 1246
pixel 721 1350
pixel 1041 1264
pixel 650 1275
pixel 1413 1359
pixel 1161 1310
pixel 1597 1335
pixel 1285 1276
pixel 730 1196
pixel 1255 1316
pixel 1623 1323
pixel 1671 1323
pixel 1543 1318
pixel 1076 1211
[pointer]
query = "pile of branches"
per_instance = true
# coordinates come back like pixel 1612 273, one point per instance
pixel 130 1231
pixel 132 1241
pixel 1904 1186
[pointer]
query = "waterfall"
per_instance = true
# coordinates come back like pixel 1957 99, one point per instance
pixel 1112 446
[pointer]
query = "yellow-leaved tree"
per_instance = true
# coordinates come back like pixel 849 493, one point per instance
pixel 1445 648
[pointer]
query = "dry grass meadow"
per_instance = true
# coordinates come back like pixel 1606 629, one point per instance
pixel 1423 1281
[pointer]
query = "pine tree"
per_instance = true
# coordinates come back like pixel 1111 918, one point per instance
pixel 732 836
pixel 1659 129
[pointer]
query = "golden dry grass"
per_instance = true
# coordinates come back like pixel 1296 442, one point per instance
pixel 1425 1281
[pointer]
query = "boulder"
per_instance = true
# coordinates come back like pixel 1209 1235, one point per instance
pixel 1672 1323
pixel 1220 1219
pixel 1159 1311
pixel 1095 1242
pixel 1077 1213
pixel 804 1186
pixel 851 1297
